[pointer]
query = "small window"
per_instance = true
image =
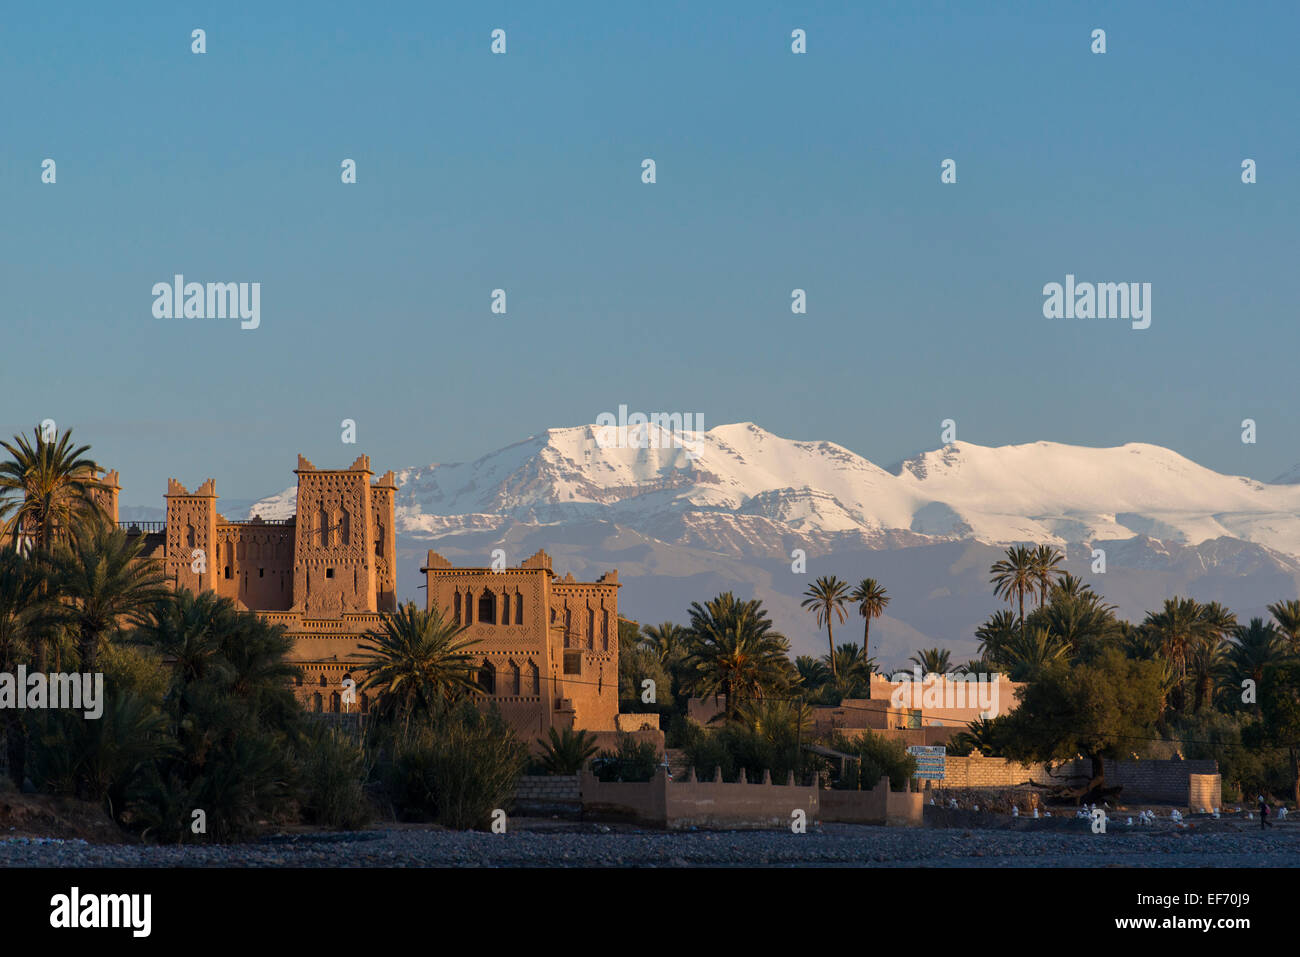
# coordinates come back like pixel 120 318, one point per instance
pixel 229 574
pixel 329 573
pixel 573 662
pixel 261 573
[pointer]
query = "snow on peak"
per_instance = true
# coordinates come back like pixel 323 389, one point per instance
pixel 652 477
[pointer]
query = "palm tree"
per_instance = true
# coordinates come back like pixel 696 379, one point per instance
pixel 1254 648
pixel 812 671
pixel 1070 587
pixel 1287 616
pixel 854 670
pixel 933 661
pixel 188 630
pixel 1175 627
pixel 1208 660
pixel 826 598
pixel 1080 620
pixel 104 583
pixel 735 652
pixel 1028 654
pixel 46 489
pixel 981 734
pixel 994 635
pixel 871 600
pixel 417 662
pixel 667 641
pixel 1046 562
pixel 568 751
pixel 1014 576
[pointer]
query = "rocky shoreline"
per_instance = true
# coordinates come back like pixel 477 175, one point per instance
pixel 537 843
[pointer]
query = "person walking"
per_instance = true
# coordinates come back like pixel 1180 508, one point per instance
pixel 1263 814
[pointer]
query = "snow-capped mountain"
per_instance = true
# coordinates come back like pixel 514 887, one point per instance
pixel 733 503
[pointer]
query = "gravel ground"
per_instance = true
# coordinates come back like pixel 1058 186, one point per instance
pixel 550 844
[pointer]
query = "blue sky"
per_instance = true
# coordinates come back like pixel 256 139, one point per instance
pixel 522 171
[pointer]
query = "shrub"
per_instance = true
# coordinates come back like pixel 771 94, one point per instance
pixel 633 761
pixel 455 770
pixel 878 757
pixel 333 769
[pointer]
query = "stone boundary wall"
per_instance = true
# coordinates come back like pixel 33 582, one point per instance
pixel 1163 781
pixel 548 789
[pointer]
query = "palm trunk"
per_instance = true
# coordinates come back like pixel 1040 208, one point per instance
pixel 830 636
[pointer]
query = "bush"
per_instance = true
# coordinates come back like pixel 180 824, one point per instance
pixel 878 757
pixel 454 771
pixel 99 759
pixel 633 761
pixel 734 746
pixel 333 770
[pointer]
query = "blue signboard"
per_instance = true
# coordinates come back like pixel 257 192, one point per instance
pixel 929 761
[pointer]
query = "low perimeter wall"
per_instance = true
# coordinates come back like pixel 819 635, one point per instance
pixel 683 804
pixel 1161 781
pixel 877 806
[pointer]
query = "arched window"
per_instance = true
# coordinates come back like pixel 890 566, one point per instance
pixel 516 683
pixel 505 608
pixel 323 523
pixel 487 607
pixel 336 703
pixel 317 703
pixel 591 627
pixel 469 606
pixel 455 606
pixel 534 679
pixel 487 678
pixel 323 682
pixel 519 609
pixel 345 527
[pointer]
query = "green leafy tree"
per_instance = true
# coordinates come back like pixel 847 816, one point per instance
pixel 1101 709
pixel 1279 705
